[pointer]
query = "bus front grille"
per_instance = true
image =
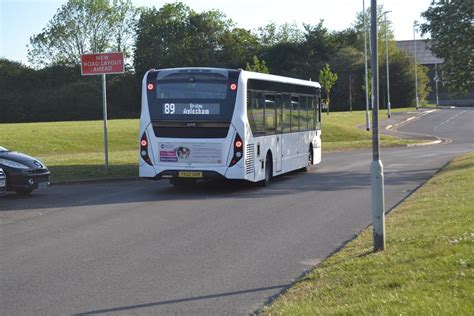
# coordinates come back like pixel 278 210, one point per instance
pixel 250 159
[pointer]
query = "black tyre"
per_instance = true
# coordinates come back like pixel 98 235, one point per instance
pixel 310 160
pixel 23 191
pixel 268 172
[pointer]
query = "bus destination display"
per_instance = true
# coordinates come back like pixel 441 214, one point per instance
pixel 191 109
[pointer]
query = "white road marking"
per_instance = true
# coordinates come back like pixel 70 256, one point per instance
pixel 449 119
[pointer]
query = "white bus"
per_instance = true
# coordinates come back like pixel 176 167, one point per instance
pixel 208 123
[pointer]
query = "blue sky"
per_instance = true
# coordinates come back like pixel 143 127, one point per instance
pixel 20 19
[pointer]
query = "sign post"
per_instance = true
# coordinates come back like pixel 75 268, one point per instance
pixel 102 64
pixel 104 108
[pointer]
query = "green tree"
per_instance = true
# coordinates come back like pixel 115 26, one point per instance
pixel 450 24
pixel 327 79
pixel 177 36
pixel 402 87
pixel 161 38
pixel 402 80
pixel 348 63
pixel 257 66
pixel 205 33
pixel 272 34
pixel 84 26
pixel 238 48
pixel 59 93
pixel 286 59
pixel 382 27
pixel 320 44
pixel 369 86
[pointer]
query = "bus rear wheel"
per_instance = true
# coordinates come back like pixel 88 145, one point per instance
pixel 268 172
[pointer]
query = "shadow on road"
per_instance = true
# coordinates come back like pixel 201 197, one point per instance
pixel 183 300
pixel 148 191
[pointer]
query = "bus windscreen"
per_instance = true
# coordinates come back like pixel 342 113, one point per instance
pixel 187 90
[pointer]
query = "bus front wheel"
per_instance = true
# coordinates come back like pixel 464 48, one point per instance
pixel 310 160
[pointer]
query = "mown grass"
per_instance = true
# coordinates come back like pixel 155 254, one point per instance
pixel 339 131
pixel 75 150
pixel 427 268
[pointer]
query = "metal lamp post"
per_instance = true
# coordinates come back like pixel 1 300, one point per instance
pixel 367 117
pixel 376 167
pixel 386 61
pixel 415 24
pixel 436 79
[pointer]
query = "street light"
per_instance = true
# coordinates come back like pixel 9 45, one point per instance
pixel 436 79
pixel 415 24
pixel 376 167
pixel 388 73
pixel 367 117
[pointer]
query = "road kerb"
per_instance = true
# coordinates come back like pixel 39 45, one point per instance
pixel 394 127
pixel 438 141
pixel 91 181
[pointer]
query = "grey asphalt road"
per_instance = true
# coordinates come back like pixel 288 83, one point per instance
pixel 222 248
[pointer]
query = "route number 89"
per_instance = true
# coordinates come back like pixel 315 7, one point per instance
pixel 169 108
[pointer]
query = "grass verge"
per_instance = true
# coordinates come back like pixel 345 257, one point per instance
pixel 340 132
pixel 428 267
pixel 74 150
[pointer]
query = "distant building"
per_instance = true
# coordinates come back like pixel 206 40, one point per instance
pixel 425 57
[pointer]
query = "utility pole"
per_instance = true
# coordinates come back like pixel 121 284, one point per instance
pixel 386 61
pixel 350 92
pixel 376 168
pixel 367 117
pixel 415 24
pixel 436 79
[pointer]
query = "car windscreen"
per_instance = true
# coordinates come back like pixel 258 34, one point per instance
pixel 2 149
pixel 192 97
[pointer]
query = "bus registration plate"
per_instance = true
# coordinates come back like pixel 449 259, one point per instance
pixel 190 174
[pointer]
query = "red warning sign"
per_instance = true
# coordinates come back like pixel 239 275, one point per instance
pixel 103 63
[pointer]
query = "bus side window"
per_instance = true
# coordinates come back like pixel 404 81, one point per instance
pixel 303 113
pixel 279 112
pixel 250 104
pixel 270 114
pixel 311 114
pixel 295 114
pixel 317 102
pixel 259 113
pixel 286 122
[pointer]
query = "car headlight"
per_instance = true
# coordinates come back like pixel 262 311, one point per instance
pixel 13 164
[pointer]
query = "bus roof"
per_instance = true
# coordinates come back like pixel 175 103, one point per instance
pixel 247 75
pixel 276 78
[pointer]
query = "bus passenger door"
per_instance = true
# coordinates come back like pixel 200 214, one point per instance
pixel 279 126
